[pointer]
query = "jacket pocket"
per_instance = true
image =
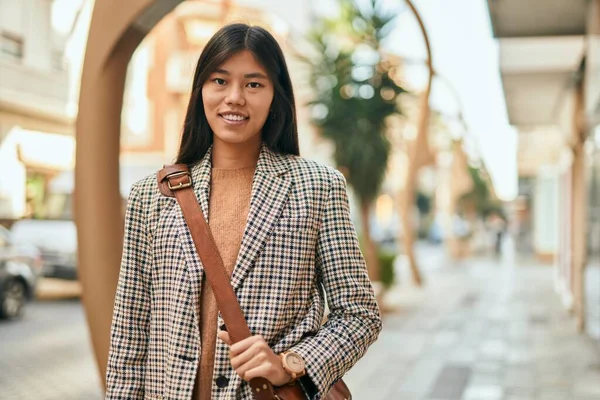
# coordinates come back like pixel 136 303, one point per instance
pixel 186 358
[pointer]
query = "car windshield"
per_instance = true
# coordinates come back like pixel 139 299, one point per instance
pixel 47 235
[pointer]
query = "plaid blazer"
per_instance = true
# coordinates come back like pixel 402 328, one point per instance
pixel 299 248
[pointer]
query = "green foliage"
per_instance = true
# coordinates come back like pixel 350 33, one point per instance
pixel 355 91
pixel 423 202
pixel 387 274
pixel 480 199
pixel 386 268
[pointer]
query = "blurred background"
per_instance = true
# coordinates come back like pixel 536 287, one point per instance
pixel 468 132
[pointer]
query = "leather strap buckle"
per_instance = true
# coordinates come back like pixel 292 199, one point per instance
pixel 180 185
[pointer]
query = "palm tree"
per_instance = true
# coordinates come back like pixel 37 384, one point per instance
pixel 354 94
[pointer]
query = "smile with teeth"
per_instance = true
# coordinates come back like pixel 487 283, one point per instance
pixel 233 117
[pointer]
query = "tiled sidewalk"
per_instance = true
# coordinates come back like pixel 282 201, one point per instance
pixel 47 354
pixel 480 330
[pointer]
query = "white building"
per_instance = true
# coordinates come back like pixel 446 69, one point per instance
pixel 549 64
pixel 36 140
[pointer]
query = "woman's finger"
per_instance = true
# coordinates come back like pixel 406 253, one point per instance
pixel 241 346
pixel 264 370
pixel 253 353
pixel 224 336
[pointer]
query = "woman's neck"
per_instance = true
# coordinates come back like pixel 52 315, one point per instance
pixel 228 156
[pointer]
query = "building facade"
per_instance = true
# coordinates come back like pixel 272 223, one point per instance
pixel 549 53
pixel 36 127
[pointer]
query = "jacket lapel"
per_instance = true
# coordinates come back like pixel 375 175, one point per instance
pixel 201 181
pixel 269 195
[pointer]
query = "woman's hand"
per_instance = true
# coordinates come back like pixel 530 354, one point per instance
pixel 253 358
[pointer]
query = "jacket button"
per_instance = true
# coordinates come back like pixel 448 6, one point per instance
pixel 222 382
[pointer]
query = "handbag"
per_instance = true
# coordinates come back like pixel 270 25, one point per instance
pixel 176 181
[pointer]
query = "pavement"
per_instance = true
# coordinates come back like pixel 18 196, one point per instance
pixel 480 329
pixel 46 355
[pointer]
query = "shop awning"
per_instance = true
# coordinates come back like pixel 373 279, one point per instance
pixel 530 18
pixel 48 151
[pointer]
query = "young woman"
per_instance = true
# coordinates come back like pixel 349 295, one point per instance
pixel 282 227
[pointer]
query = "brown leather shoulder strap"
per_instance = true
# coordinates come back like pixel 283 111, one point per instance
pixel 173 171
pixel 176 181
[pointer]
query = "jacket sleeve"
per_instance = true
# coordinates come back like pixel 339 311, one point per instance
pixel 354 321
pixel 130 323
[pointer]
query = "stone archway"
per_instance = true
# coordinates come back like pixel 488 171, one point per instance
pixel 116 29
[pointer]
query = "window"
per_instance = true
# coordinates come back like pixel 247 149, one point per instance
pixel 11 46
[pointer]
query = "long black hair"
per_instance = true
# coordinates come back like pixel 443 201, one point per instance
pixel 280 131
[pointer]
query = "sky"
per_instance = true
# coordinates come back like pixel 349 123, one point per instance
pixel 465 53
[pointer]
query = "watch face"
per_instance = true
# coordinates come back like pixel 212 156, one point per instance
pixel 294 362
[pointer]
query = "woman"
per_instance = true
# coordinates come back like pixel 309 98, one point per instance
pixel 282 227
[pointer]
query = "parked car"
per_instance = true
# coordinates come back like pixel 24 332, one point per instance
pixel 20 266
pixel 56 239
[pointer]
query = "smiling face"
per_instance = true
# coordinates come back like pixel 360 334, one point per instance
pixel 237 98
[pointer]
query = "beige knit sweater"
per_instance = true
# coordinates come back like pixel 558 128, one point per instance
pixel 230 191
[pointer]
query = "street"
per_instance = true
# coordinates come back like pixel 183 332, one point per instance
pixel 47 354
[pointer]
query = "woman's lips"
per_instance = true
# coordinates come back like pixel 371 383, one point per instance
pixel 234 121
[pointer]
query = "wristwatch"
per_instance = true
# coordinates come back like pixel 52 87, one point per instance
pixel 293 364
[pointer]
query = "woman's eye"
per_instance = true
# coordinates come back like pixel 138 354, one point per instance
pixel 254 85
pixel 219 81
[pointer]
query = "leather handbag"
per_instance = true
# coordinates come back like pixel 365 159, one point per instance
pixel 176 181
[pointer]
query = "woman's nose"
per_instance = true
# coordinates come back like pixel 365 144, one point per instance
pixel 235 96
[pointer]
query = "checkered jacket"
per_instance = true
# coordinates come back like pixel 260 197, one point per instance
pixel 299 248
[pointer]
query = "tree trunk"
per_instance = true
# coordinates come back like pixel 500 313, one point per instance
pixel 408 236
pixel 578 208
pixel 418 155
pixel 369 246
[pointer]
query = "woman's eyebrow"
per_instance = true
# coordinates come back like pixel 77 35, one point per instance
pixel 255 75
pixel 250 75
